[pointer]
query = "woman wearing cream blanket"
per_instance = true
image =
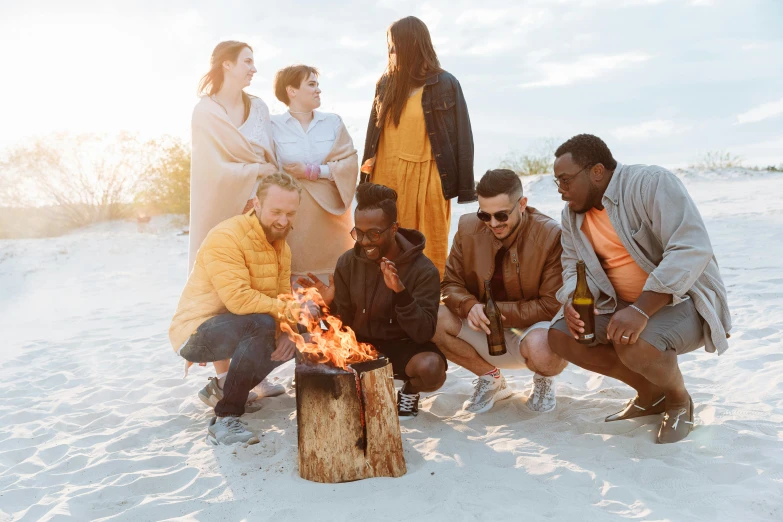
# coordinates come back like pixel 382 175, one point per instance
pixel 315 148
pixel 232 143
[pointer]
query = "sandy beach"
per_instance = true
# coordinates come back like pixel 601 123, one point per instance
pixel 97 422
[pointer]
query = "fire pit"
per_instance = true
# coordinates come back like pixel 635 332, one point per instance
pixel 346 411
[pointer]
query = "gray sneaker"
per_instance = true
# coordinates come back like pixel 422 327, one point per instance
pixel 542 395
pixel 487 391
pixel 227 430
pixel 212 393
pixel 267 389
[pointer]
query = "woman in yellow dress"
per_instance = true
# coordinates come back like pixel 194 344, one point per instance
pixel 419 141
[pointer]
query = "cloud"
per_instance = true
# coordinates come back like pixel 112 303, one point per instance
pixel 477 17
pixel 347 41
pixel 762 112
pixel 648 129
pixel 589 66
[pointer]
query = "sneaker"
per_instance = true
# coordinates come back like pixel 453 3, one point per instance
pixel 227 430
pixel 488 389
pixel 542 395
pixel 407 404
pixel 267 389
pixel 212 393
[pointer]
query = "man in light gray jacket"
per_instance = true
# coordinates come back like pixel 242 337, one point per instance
pixel 652 272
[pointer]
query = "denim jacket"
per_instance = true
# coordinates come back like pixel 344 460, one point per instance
pixel 448 127
pixel 660 226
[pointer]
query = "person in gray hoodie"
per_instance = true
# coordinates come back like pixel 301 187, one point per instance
pixel 651 269
pixel 388 292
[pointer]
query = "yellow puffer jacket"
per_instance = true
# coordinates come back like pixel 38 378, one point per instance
pixel 237 270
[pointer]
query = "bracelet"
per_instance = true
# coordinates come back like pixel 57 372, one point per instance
pixel 640 311
pixel 312 171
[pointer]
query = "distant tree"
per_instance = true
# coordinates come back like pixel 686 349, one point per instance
pixel 717 160
pixel 87 177
pixel 539 160
pixel 165 183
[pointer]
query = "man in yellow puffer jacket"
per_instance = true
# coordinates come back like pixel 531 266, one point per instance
pixel 233 301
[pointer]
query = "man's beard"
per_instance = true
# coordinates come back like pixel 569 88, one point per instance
pixel 275 234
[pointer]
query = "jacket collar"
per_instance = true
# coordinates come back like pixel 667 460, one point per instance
pixel 432 79
pixel 612 192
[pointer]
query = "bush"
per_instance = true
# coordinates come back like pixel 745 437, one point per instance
pixel 164 186
pixel 718 159
pixel 538 161
pixel 87 177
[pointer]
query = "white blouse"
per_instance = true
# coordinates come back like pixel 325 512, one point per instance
pixel 257 128
pixel 294 144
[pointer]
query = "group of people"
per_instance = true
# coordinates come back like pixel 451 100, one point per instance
pixel 385 269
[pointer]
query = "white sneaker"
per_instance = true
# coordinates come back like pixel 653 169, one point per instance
pixel 488 390
pixel 267 389
pixel 227 430
pixel 212 393
pixel 542 395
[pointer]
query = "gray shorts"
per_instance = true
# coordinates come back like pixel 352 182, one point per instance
pixel 512 359
pixel 679 328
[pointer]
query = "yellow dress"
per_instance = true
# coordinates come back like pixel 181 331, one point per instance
pixel 405 163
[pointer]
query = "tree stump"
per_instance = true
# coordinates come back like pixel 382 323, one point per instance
pixel 347 430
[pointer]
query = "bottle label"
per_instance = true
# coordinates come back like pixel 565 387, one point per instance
pixel 588 336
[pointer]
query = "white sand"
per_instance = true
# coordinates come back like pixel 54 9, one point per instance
pixel 96 422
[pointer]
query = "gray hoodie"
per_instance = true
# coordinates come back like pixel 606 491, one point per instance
pixel 660 226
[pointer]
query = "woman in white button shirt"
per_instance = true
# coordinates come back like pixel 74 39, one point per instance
pixel 315 148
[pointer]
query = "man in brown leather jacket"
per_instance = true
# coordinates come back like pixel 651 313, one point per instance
pixel 518 249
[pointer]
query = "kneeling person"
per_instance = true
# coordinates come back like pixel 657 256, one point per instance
pixel 229 308
pixel 518 249
pixel 387 291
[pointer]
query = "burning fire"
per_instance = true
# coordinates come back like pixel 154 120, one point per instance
pixel 337 345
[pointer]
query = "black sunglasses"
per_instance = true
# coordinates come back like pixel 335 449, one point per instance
pixel 373 234
pixel 501 216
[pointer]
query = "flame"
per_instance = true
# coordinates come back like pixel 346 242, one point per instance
pixel 337 345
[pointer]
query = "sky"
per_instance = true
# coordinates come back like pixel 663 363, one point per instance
pixel 661 81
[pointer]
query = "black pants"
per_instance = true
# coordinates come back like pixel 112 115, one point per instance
pixel 248 340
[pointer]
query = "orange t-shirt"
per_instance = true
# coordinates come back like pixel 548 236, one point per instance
pixel 626 276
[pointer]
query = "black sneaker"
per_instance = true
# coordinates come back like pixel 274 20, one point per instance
pixel 407 404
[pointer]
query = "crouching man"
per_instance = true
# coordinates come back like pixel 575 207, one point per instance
pixel 518 249
pixel 650 267
pixel 387 291
pixel 229 308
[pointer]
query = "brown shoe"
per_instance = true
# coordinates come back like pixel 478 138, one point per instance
pixel 676 424
pixel 632 410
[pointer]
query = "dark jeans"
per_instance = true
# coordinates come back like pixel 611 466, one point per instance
pixel 248 340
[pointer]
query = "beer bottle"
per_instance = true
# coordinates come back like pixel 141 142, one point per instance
pixel 584 304
pixel 496 339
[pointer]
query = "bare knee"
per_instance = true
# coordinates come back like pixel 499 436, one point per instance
pixel 448 324
pixel 639 357
pixel 559 342
pixel 540 356
pixel 428 369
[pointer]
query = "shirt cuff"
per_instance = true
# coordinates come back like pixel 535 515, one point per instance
pixel 325 172
pixel 403 298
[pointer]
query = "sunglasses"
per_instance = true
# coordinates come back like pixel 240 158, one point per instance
pixel 373 234
pixel 501 216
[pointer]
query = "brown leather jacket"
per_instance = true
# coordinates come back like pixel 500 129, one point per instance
pixel 531 269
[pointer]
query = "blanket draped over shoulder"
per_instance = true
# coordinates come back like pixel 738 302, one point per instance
pixel 224 168
pixel 323 224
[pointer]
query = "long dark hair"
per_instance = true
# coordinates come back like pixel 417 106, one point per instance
pixel 416 60
pixel 211 82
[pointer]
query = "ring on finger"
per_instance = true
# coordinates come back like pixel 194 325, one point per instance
pixel 625 337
